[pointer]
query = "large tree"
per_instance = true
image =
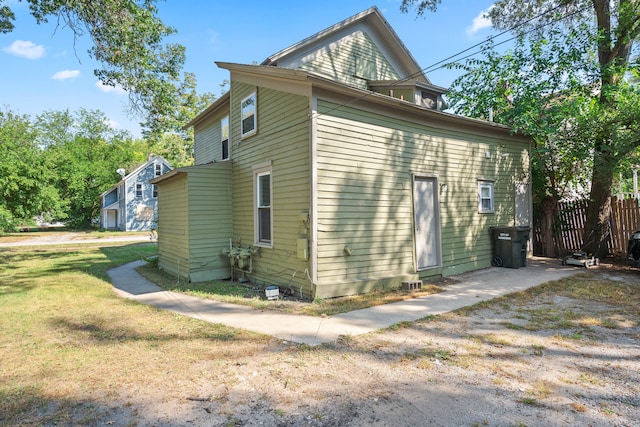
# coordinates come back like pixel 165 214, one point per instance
pixel 127 38
pixel 25 188
pixel 163 127
pixel 82 154
pixel 590 104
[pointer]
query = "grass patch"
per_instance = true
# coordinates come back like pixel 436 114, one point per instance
pixel 590 287
pixel 77 235
pixel 61 315
pixel 250 295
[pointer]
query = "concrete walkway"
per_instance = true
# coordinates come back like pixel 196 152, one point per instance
pixel 469 289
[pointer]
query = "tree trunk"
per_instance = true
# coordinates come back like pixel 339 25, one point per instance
pixel 597 224
pixel 548 212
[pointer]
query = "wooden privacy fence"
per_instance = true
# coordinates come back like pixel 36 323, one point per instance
pixel 569 225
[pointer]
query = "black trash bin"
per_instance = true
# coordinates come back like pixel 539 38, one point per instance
pixel 510 246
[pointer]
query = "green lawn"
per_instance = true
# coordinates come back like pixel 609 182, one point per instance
pixel 65 337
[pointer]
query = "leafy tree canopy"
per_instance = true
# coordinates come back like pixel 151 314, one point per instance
pixel 163 127
pixel 25 190
pixel 567 83
pixel 82 153
pixel 127 41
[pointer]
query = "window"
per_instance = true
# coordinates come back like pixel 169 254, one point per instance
pixel 485 196
pixel 138 190
pixel 155 191
pixel 263 217
pixel 248 115
pixel 158 169
pixel 224 129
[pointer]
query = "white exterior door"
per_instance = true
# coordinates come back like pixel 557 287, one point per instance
pixel 112 218
pixel 427 227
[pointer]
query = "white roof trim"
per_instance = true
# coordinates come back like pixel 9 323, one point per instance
pixel 389 43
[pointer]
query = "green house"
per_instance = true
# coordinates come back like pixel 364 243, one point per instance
pixel 330 169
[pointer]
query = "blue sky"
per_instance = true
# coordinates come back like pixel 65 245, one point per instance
pixel 40 69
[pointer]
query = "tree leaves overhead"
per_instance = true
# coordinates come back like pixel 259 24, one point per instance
pixel 569 82
pixel 163 127
pixel 6 17
pixel 128 41
pixel 421 6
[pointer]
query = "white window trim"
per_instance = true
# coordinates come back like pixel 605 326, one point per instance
pixel 154 190
pixel 157 166
pixel 255 115
pixel 485 183
pixel 228 138
pixel 139 186
pixel 258 171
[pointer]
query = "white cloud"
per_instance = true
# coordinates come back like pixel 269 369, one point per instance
pixel 66 74
pixel 479 22
pixel 112 124
pixel 110 89
pixel 26 49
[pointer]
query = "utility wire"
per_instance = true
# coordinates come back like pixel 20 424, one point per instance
pixel 440 64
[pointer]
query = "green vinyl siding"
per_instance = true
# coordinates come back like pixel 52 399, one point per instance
pixel 353 62
pixel 365 195
pixel 195 222
pixel 210 221
pixel 208 140
pixel 173 229
pixel 282 139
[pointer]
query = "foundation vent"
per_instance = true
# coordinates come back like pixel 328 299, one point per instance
pixel 412 285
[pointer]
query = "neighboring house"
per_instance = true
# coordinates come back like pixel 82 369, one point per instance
pixel 330 169
pixel 131 204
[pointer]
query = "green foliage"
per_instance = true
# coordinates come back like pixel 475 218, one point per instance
pixel 570 83
pixel 25 190
pixel 163 127
pixel 127 41
pixel 538 89
pixel 6 16
pixel 83 156
pixel 421 5
pixel 58 166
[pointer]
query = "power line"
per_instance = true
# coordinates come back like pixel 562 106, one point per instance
pixel 438 65
pixel 441 63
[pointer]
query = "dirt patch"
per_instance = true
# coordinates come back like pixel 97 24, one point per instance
pixel 544 358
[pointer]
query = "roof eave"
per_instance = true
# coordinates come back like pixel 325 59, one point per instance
pixel 215 106
pixel 360 95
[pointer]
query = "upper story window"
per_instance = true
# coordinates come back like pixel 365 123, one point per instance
pixel 248 115
pixel 485 197
pixel 155 191
pixel 158 169
pixel 138 190
pixel 224 129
